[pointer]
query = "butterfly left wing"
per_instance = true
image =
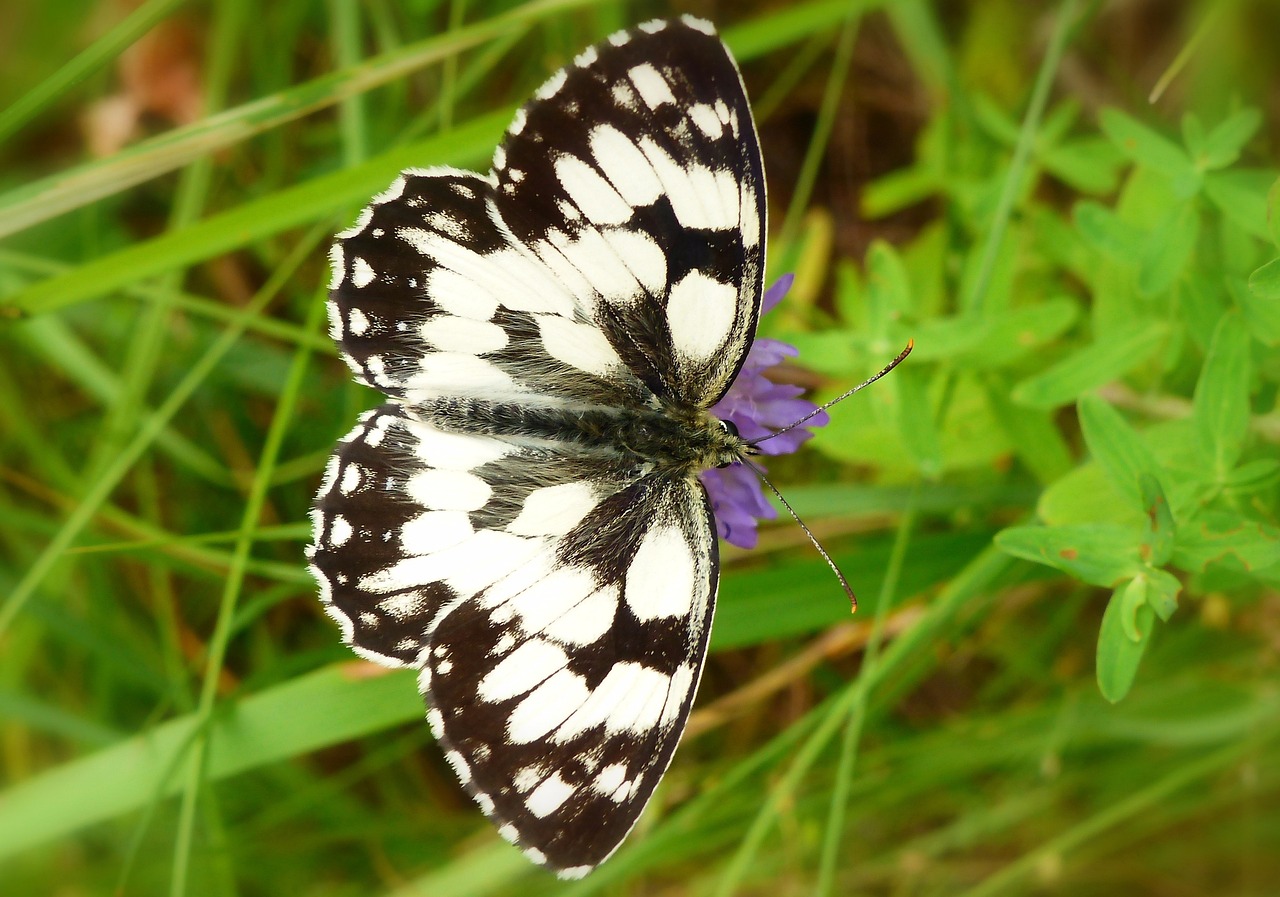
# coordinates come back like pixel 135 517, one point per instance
pixel 558 602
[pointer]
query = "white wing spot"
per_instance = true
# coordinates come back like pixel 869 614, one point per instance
pixel 361 222
pixel 528 778
pixel 661 578
pixel 456 373
pixel 448 490
pixel 357 322
pixel 549 796
pixel 642 256
pixel 624 165
pixel 699 25
pixel 705 118
pixel 362 273
pixel 588 620
pixel 551 597
pixel 581 346
pixel 750 217
pixel 435 531
pixel 700 314
pixel 630 698
pixel 518 122
pixel 393 192
pixel 455 451
pixel 552 86
pixel 337 266
pixel 460 767
pixel 339 531
pixel 525 667
pixel 352 474
pixel 402 606
pixel 652 87
pixel 597 199
pixel 702 198
pixel 536 855
pixel 450 333
pixel 609 778
pixel 546 707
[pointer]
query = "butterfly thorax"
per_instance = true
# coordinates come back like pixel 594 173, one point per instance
pixel 676 439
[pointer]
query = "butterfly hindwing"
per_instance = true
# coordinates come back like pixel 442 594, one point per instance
pixel 507 523
pixel 559 693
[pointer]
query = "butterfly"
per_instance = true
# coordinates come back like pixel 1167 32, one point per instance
pixel 522 521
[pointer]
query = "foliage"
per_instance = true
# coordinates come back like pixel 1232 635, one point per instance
pixel 1065 497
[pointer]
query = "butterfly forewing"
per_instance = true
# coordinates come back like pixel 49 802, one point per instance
pixel 635 175
pixel 495 524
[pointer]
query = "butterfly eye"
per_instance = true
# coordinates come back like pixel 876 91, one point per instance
pixel 731 428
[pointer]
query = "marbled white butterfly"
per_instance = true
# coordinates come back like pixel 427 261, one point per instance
pixel 522 521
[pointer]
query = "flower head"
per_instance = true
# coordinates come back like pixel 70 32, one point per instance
pixel 757 407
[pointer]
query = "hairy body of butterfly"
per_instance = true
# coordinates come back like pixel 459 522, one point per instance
pixel 522 521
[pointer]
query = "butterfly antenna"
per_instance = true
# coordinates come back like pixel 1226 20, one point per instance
pixel 844 583
pixel 840 398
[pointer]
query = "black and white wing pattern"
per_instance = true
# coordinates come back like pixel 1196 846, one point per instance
pixel 522 521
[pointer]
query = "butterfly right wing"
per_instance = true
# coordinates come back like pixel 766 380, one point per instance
pixel 557 599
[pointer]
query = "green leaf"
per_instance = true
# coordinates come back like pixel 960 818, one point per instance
pixel 1091 367
pixel 1221 408
pixel 1202 300
pixel 1086 495
pixel 1103 230
pixel 1089 164
pixel 1012 335
pixel 1273 212
pixel 1161 533
pixel 1227 538
pixel 897 190
pixel 1145 146
pixel 1223 145
pixel 1163 589
pixel 1254 475
pixel 1118 449
pixel 916 423
pixel 1124 635
pixel 1265 281
pixel 1240 194
pixel 888 288
pixel 1101 554
pixel 1168 249
pixel 1260 302
pixel 1031 432
pixel 944 338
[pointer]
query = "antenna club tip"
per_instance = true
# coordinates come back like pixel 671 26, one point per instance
pixel 911 344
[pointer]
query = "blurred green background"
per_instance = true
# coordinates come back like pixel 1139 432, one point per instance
pixel 1059 514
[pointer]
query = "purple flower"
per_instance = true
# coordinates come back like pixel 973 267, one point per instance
pixel 757 407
